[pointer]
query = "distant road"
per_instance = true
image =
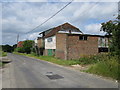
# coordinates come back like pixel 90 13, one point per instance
pixel 24 72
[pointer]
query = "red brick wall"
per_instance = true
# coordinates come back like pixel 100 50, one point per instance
pixel 70 47
pixel 78 48
pixel 61 46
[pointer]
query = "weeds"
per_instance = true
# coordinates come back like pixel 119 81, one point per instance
pixel 3 54
pixel 106 67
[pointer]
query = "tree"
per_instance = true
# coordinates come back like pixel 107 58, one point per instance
pixel 113 29
pixel 27 46
pixel 7 48
pixel 14 46
pixel 20 49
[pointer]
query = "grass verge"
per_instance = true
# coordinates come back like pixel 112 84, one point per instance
pixel 3 54
pixel 107 68
pixel 52 59
pixel 1 64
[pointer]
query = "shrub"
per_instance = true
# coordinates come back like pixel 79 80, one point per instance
pixel 33 54
pixel 91 59
pixel 20 49
pixel 26 48
pixel 4 54
pixel 1 64
pixel 106 67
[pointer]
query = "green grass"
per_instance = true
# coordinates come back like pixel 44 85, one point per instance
pixel 92 59
pixel 0 64
pixel 52 59
pixel 59 61
pixel 107 68
pixel 3 54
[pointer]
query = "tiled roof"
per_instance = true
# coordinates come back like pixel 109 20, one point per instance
pixel 20 44
pixel 61 27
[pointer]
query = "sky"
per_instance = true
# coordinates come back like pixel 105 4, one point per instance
pixel 19 17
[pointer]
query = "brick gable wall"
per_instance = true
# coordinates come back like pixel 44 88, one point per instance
pixel 78 48
pixel 61 42
pixel 70 47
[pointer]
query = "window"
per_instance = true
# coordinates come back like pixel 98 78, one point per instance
pixel 49 39
pixel 82 37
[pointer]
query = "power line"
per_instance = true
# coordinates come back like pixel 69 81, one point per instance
pixel 50 17
pixel 56 14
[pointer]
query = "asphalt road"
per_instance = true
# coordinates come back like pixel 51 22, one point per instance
pixel 24 72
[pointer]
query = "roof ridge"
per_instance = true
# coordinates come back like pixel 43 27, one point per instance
pixel 58 28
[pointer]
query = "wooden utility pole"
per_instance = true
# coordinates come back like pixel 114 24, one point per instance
pixel 17 38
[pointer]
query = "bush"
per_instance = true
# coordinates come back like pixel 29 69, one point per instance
pixel 26 48
pixel 33 54
pixel 27 45
pixel 91 59
pixel 106 67
pixel 1 64
pixel 20 50
pixel 4 54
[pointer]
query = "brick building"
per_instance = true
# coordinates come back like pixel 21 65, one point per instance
pixel 68 42
pixel 75 46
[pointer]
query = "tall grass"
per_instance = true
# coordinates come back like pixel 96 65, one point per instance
pixel 106 67
pixel 0 64
pixel 92 59
pixel 3 54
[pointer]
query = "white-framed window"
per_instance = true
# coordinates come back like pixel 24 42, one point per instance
pixel 49 40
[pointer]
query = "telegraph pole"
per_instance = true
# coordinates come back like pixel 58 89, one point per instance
pixel 17 38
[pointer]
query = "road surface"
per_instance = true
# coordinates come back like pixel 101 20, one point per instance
pixel 24 72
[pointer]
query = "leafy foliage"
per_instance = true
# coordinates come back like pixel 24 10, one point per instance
pixel 108 27
pixel 27 47
pixel 2 54
pixel 7 48
pixel 92 59
pixel 113 28
pixel 106 67
pixel 20 49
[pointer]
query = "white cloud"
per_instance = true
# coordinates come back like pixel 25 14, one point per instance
pixel 93 29
pixel 33 36
pixel 0 23
pixel 23 17
pixel 59 0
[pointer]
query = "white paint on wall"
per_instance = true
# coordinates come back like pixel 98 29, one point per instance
pixel 50 42
pixel 69 32
pixel 35 41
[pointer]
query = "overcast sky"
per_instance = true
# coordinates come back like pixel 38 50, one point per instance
pixel 21 17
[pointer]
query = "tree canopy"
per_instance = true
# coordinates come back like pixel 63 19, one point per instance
pixel 7 48
pixel 113 28
pixel 26 48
